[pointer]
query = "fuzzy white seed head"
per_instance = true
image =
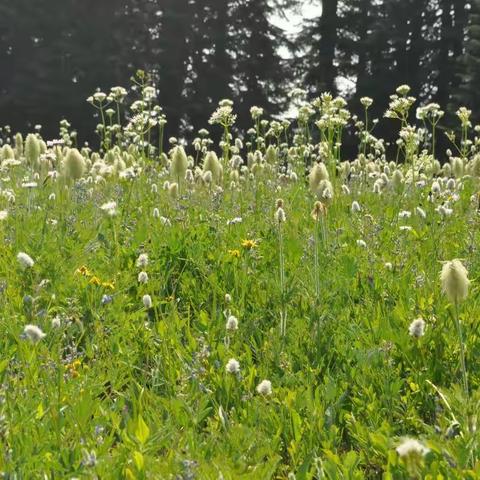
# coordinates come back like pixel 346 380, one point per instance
pixel 455 282
pixel 280 216
pixel 25 260
pixel 233 366
pixel 264 387
pixel 417 328
pixel 147 301
pixel 355 207
pixel 33 333
pixel 142 260
pixel 410 446
pixel 142 277
pixel 232 323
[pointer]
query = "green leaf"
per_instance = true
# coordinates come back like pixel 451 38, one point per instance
pixel 142 432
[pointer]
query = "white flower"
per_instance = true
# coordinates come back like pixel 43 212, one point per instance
pixel 280 216
pixel 405 214
pixel 389 266
pixel 232 323
pixel 361 243
pixel 147 301
pixel 156 213
pixel 264 387
pixel 228 298
pixel 142 260
pixel 233 366
pixel 110 208
pixel 3 214
pixel 56 322
pixel 405 228
pixel 234 221
pixel 417 328
pixel 33 333
pixel 411 446
pixel 142 277
pixel 421 212
pixel 355 207
pixel 25 260
pixel 455 282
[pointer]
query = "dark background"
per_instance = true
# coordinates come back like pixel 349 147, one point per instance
pixel 55 53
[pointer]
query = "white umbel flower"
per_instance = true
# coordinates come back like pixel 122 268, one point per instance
pixel 264 387
pixel 110 208
pixel 455 282
pixel 25 260
pixel 33 333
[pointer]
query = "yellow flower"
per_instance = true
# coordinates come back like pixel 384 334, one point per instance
pixel 249 244
pixel 95 281
pixel 234 253
pixel 83 270
pixel 109 285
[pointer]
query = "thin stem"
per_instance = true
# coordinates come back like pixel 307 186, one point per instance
pixel 462 349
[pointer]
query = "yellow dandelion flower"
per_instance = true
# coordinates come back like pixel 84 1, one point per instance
pixel 249 244
pixel 95 281
pixel 234 253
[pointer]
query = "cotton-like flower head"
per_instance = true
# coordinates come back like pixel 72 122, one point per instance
pixel 233 366
pixel 228 298
pixel 318 173
pixel 25 260
pixel 264 387
pixel 455 282
pixel 361 243
pixel 280 216
pixel 142 260
pixel 319 210
pixel 110 208
pixel 417 328
pixel 147 301
pixel 232 323
pixel 179 163
pixel 142 277
pixel 33 333
pixel 3 214
pixel 413 447
pixel 355 207
pixel 74 165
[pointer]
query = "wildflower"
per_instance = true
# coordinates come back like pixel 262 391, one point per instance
pixel 173 190
pixel 56 322
pixel 228 298
pixel 147 301
pixel 361 243
pixel 109 285
pixel 110 208
pixel 455 282
pixel 33 333
pixel 319 209
pixel 232 323
pixel 25 260
pixel 280 216
pixel 234 253
pixel 3 214
pixel 264 387
pixel 179 163
pixel 366 101
pixel 106 299
pixel 95 281
pixel 421 212
pixel 417 328
pixel 412 447
pixel 234 221
pixel 142 277
pixel 388 266
pixel 405 214
pixel 355 207
pixel 249 244
pixel 142 260
pixel 233 366
pixel 74 165
pixel 83 270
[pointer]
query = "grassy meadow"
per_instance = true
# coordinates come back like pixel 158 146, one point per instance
pixel 258 308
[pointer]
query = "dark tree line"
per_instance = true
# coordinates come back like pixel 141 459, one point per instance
pixel 55 53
